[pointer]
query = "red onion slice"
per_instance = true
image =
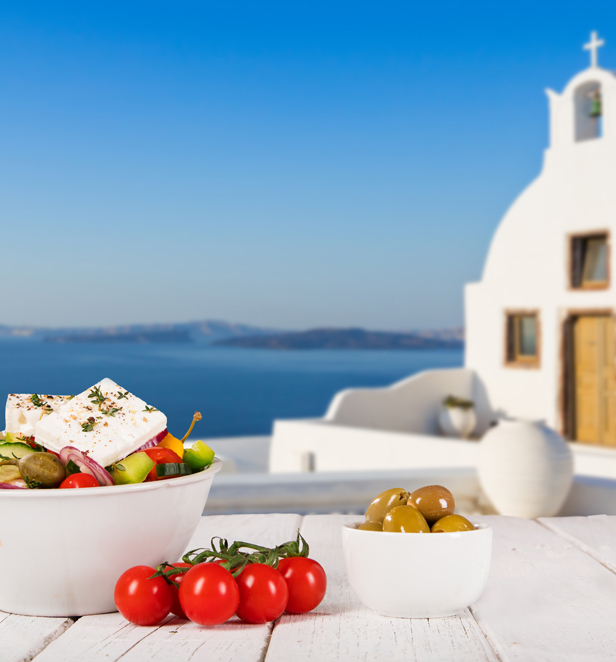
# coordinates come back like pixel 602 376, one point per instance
pixel 86 464
pixel 161 435
pixel 153 441
pixel 9 486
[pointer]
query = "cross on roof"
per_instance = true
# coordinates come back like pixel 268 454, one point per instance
pixel 593 46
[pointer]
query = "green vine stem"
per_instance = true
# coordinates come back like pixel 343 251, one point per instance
pixel 235 557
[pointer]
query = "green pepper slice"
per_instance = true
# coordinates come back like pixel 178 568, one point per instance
pixel 199 456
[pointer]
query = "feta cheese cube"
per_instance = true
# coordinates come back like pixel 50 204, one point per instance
pixel 24 410
pixel 105 421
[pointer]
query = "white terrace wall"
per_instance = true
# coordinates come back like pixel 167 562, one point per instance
pixel 377 428
pixel 410 405
pixel 314 445
pixel 527 266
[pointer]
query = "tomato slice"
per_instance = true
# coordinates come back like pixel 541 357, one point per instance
pixel 160 455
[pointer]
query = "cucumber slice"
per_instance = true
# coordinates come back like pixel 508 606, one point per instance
pixel 9 472
pixel 132 469
pixel 172 469
pixel 15 451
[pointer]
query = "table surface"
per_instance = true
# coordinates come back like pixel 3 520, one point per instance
pixel 551 595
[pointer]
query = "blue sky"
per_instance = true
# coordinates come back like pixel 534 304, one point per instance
pixel 284 164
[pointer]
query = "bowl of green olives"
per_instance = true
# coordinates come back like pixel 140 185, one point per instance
pixel 426 576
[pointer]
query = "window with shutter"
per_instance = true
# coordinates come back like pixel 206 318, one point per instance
pixel 522 339
pixel 589 261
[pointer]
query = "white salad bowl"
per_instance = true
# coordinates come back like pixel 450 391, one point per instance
pixel 63 550
pixel 417 575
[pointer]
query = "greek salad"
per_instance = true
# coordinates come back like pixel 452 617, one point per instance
pixel 101 437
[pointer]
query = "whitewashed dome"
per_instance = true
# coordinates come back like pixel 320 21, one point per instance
pixel 574 192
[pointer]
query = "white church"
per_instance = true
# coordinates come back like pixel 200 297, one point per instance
pixel 541 334
pixel 540 326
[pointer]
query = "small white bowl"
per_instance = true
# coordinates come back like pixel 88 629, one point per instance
pixel 62 551
pixel 417 575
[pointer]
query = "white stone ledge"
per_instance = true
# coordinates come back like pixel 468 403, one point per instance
pixel 328 492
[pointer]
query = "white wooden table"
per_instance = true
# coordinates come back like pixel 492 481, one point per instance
pixel 551 596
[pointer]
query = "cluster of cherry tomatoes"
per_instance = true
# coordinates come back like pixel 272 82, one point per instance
pixel 211 586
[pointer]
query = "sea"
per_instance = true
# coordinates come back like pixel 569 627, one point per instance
pixel 239 392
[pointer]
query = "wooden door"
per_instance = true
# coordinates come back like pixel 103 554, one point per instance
pixel 595 380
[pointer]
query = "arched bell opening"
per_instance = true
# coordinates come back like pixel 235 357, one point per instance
pixel 588 101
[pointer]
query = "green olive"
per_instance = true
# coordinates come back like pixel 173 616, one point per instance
pixel 384 502
pixel 371 526
pixel 451 523
pixel 433 501
pixel 42 468
pixel 405 519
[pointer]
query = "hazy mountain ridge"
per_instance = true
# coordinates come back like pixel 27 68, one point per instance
pixel 199 331
pixel 172 336
pixel 353 338
pixel 243 335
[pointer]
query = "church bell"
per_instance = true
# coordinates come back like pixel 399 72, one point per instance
pixel 595 105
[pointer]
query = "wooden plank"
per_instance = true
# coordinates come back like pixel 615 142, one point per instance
pixel 342 629
pixel 265 529
pixel 594 535
pixel 109 637
pixel 24 637
pixel 100 637
pixel 181 640
pixel 546 600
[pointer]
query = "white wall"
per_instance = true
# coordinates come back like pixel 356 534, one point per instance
pixel 411 405
pixel 527 265
pixel 401 415
pixel 296 445
pixel 365 456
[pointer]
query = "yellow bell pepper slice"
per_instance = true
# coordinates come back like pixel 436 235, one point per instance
pixel 173 443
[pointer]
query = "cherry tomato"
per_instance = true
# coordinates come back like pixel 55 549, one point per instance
pixel 209 594
pixel 160 455
pixel 141 600
pixel 306 581
pixel 263 593
pixel 79 480
pixel 176 607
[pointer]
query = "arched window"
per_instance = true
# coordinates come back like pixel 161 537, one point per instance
pixel 588 102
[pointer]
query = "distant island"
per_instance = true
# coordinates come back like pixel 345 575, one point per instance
pixel 141 338
pixel 348 339
pixel 204 331
pixel 216 332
